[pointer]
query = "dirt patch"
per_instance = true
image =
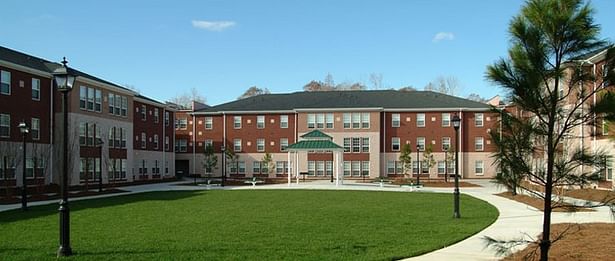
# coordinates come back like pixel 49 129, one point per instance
pixel 539 203
pixel 597 195
pixel 592 241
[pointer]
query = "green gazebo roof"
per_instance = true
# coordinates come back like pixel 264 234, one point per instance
pixel 316 134
pixel 315 145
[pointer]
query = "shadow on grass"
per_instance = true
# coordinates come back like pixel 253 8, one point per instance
pixel 52 209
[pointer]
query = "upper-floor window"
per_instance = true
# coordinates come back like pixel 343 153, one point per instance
pixel 209 123
pixel 364 144
pixel 311 121
pixel 36 89
pixel 478 119
pixel 143 112
pixel 420 141
pixel 356 144
pixel 118 105
pixel 347 145
pixel 166 142
pixel 395 120
pixel 395 143
pixel 446 119
pixel 182 124
pixel 283 144
pixel 356 120
pixel 320 121
pixel 446 143
pixel 35 129
pixel 479 144
pixel 156 115
pixel 237 122
pixel 420 120
pixel 98 101
pixel 347 120
pixel 260 145
pixel 284 121
pixel 329 120
pixel 83 97
pixel 5 82
pixel 181 145
pixel 260 122
pixel 167 118
pixel 5 125
pixel 605 71
pixel 143 140
pixel 91 98
pixel 365 120
pixel 124 109
pixel 237 145
pixel 155 141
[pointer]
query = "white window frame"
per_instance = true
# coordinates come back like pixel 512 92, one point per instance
pixel 35 128
pixel 347 120
pixel 36 87
pixel 83 97
pixel 155 141
pixel 446 119
pixel 283 144
pixel 156 115
pixel 479 120
pixel 329 121
pixel 283 121
pixel 260 145
pixel 209 123
pixel 365 120
pixel 237 145
pixel 365 145
pixel 98 100
pixel 260 121
pixel 237 122
pixel 395 120
pixel 320 121
pixel 356 145
pixel 446 143
pixel 479 168
pixel 420 120
pixel 479 144
pixel 311 121
pixel 356 120
pixel 395 141
pixel 347 142
pixel 143 112
pixel 441 167
pixel 420 141
pixel 143 140
pixel 5 122
pixel 5 79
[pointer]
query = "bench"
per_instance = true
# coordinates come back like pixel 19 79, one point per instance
pixel 253 181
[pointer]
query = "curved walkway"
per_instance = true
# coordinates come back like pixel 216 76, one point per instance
pixel 516 220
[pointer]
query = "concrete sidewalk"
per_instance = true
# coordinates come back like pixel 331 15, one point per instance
pixel 516 220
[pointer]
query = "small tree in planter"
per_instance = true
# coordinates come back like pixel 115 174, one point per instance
pixel 428 158
pixel 450 157
pixel 405 158
pixel 211 160
pixel 267 162
pixel 231 158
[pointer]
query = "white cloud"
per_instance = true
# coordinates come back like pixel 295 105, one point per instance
pixel 442 36
pixel 216 26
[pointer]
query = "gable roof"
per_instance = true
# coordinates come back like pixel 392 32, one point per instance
pixel 43 65
pixel 316 135
pixel 315 145
pixel 386 99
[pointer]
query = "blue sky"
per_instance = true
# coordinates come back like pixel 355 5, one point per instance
pixel 165 48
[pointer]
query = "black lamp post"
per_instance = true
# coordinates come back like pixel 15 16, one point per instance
pixel 23 128
pixel 418 165
pixel 64 81
pixel 99 144
pixel 446 164
pixel 456 123
pixel 223 149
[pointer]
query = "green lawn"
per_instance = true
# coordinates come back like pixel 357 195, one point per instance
pixel 247 225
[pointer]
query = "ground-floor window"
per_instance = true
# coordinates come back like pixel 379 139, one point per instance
pixel 346 168
pixel 365 168
pixel 395 167
pixel 329 168
pixel 320 168
pixel 311 167
pixel 116 169
pixel 256 167
pixel 241 167
pixel 89 169
pixel 608 168
pixel 478 167
pixel 441 167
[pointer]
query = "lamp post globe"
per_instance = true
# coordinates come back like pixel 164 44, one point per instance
pixel 456 124
pixel 23 128
pixel 64 81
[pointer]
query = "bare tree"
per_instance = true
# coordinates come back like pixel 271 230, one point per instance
pixel 476 97
pixel 444 84
pixel 329 82
pixel 376 80
pixel 253 91
pixel 407 89
pixel 185 100
pixel 10 156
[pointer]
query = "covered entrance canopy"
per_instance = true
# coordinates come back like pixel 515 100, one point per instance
pixel 316 141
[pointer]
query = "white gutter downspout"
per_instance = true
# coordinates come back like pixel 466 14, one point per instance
pixel 164 138
pixel 461 144
pixel 384 150
pixel 224 142
pixel 193 143
pixel 51 138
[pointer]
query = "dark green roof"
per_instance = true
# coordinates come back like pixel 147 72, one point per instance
pixel 316 134
pixel 314 145
pixel 388 99
pixel 40 64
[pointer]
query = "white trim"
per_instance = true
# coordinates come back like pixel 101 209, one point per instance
pixel 25 69
pixel 117 89
pixel 141 100
pixel 337 109
pixel 302 110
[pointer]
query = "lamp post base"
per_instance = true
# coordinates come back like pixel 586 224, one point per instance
pixel 65 249
pixel 456 213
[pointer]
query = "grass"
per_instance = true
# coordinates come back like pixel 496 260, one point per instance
pixel 249 225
